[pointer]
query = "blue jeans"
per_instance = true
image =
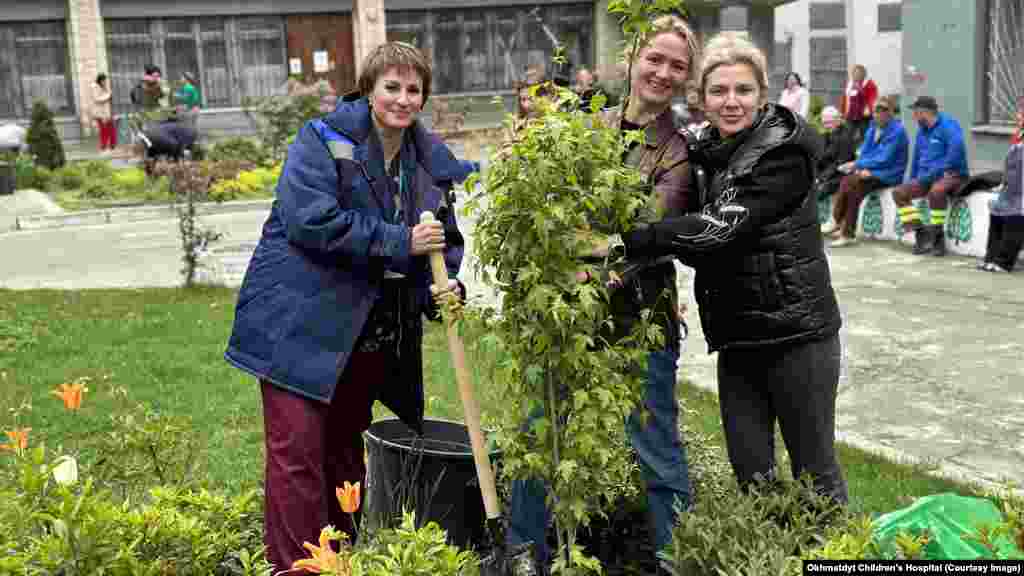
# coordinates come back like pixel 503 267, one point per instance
pixel 662 465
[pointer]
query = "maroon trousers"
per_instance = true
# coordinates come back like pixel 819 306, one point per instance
pixel 312 448
pixel 846 207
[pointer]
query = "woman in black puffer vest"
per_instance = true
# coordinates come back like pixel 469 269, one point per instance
pixel 762 281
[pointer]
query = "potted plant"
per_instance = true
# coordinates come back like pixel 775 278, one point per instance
pixel 559 176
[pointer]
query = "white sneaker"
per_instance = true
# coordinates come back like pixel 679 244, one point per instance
pixel 993 267
pixel 843 241
pixel 828 227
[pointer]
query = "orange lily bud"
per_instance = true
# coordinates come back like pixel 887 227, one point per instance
pixel 348 497
pixel 71 394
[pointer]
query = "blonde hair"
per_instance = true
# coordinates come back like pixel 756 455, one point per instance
pixel 670 23
pixel 391 55
pixel 729 49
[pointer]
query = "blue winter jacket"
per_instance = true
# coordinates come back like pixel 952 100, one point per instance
pixel 939 149
pixel 887 158
pixel 325 249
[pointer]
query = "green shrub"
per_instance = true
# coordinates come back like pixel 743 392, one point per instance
pixel 69 177
pixel 130 179
pixel 749 534
pixel 43 141
pixel 281 117
pixel 239 150
pixel 410 550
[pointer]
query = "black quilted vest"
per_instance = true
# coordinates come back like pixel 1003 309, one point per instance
pixel 781 290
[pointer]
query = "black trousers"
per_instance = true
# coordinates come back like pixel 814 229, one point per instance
pixel 1005 239
pixel 795 385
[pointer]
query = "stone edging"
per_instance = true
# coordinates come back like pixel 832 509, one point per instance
pixel 119 215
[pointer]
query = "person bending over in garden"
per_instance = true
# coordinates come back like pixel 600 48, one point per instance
pixel 881 162
pixel 762 281
pixel 329 315
pixel 660 71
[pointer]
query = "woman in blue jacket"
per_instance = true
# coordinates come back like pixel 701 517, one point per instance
pixel 881 163
pixel 329 315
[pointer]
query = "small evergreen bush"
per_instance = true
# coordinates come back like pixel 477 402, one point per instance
pixel 43 141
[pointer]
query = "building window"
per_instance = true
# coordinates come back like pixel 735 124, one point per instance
pixel 1005 57
pixel 828 16
pixel 34 66
pixel 890 17
pixel 828 69
pixel 483 50
pixel 232 58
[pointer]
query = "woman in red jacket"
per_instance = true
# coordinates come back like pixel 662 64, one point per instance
pixel 859 100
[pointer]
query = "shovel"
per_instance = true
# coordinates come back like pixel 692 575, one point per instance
pixel 500 560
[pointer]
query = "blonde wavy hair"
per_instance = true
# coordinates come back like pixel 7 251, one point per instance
pixel 729 49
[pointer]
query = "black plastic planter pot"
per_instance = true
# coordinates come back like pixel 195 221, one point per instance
pixel 433 475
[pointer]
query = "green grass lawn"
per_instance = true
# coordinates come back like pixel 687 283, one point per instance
pixel 164 348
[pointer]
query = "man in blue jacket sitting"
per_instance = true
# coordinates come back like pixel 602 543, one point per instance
pixel 881 163
pixel 938 168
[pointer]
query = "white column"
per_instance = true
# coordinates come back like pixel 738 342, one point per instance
pixel 87 54
pixel 368 29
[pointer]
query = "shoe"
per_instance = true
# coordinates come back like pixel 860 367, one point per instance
pixel 938 241
pixel 829 228
pixel 843 241
pixel 982 265
pixel 922 240
pixel 993 267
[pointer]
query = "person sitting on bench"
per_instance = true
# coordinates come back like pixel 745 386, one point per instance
pixel 938 168
pixel 881 163
pixel 840 148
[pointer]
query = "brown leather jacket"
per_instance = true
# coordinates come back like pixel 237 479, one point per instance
pixel 652 284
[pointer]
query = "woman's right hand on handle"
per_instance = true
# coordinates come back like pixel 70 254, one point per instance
pixel 427 237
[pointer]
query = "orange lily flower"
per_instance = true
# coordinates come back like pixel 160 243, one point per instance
pixel 348 497
pixel 323 559
pixel 19 440
pixel 71 394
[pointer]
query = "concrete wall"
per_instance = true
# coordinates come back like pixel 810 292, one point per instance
pixel 23 10
pixel 943 40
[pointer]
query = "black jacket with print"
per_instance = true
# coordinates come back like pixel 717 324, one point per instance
pixel 761 273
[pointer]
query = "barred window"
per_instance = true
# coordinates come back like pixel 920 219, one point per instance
pixel 828 69
pixel 34 66
pixel 231 58
pixel 828 16
pixel 490 49
pixel 1005 68
pixel 890 17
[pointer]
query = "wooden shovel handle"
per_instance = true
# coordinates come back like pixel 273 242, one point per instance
pixel 470 408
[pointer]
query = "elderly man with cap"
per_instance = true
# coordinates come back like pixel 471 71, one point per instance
pixel 840 149
pixel 881 163
pixel 939 166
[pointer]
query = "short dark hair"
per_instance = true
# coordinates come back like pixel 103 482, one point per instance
pixel 101 78
pixel 391 55
pixel 799 81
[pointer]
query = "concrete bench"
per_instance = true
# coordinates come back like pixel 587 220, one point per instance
pixel 966 222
